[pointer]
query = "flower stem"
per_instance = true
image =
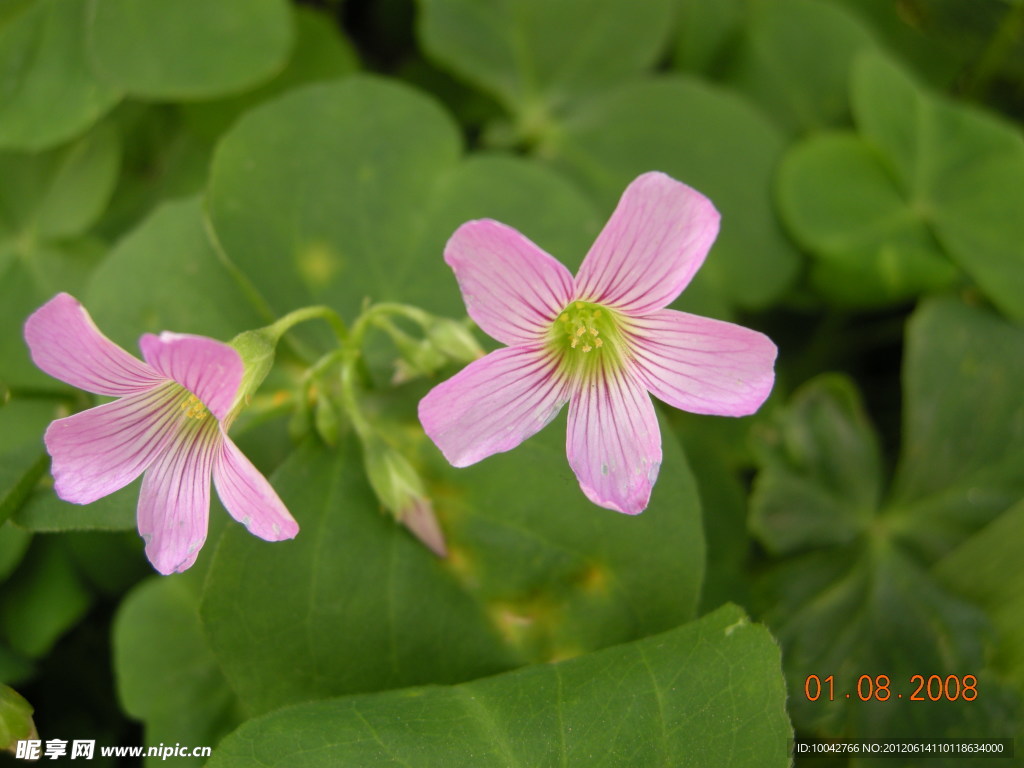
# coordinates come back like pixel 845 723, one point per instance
pixel 286 323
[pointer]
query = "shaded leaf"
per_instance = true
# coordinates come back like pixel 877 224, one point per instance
pixel 167 675
pixel 793 61
pixel 535 56
pixel 706 693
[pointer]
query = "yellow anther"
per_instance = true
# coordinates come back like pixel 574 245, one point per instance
pixel 598 342
pixel 194 408
pixel 580 305
pixel 580 331
pixel 587 347
pixel 594 331
pixel 597 314
pixel 573 342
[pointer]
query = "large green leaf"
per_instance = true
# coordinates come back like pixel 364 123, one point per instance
pixel 855 594
pixel 707 693
pixel 166 674
pixel 685 128
pixel 534 573
pixel 536 56
pixel 871 245
pixel 189 48
pixel 793 61
pixel 320 52
pixel 48 92
pixel 369 189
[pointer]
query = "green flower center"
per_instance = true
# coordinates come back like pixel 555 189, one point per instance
pixel 586 336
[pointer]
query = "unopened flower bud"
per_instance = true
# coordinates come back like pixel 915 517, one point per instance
pixel 400 491
pixel 453 340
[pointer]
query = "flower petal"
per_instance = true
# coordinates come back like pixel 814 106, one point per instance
pixel 613 443
pixel 702 365
pixel 174 506
pixel 650 248
pixel 65 343
pixel 493 404
pixel 249 497
pixel 99 451
pixel 209 369
pixel 513 290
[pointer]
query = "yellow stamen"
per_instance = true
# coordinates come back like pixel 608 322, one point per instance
pixel 194 408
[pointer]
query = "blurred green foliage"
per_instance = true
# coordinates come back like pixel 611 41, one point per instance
pixel 206 167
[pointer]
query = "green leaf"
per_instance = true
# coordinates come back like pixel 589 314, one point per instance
pixel 793 61
pixel 706 693
pixel 166 276
pixel 706 34
pixel 44 512
pixel 48 92
pixel 15 718
pixel 961 456
pixel 61 193
pixel 188 49
pixel 167 676
pixel 856 594
pixel 364 200
pixel 320 52
pixel 985 569
pixel 23 458
pixel 535 572
pixel 958 167
pixel 821 481
pixel 14 542
pixel 685 128
pixel 535 56
pixel 46 578
pixel 871 245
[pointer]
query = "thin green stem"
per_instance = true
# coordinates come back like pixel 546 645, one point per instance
pixel 286 323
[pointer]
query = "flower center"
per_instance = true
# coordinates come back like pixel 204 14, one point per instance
pixel 586 335
pixel 194 408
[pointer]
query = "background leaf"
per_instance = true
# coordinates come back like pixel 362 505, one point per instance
pixel 49 91
pixel 536 56
pixel 707 691
pixel 189 49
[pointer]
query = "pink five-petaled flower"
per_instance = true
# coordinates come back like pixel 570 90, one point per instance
pixel 168 422
pixel 600 342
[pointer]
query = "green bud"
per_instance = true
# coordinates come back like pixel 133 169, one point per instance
pixel 16 722
pixel 256 349
pixel 400 491
pixel 453 339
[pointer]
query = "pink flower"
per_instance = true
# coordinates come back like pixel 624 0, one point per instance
pixel 168 421
pixel 600 342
